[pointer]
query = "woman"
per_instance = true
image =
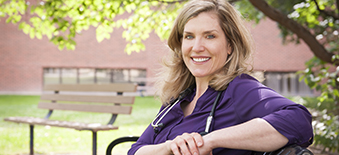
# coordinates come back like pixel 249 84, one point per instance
pixel 210 48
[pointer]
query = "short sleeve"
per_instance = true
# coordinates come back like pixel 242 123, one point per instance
pixel 254 100
pixel 294 122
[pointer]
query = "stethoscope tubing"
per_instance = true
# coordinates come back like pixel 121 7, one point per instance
pixel 169 108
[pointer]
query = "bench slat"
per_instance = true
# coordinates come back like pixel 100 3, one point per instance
pixel 113 87
pixel 57 123
pixel 89 98
pixel 87 108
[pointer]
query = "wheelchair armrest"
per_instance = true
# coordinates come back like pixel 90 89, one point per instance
pixel 290 150
pixel 118 141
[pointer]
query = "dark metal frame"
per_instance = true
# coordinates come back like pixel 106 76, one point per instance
pixel 289 150
pixel 118 141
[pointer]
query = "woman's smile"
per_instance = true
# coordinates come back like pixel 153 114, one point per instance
pixel 200 59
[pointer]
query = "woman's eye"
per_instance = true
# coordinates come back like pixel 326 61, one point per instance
pixel 189 37
pixel 210 36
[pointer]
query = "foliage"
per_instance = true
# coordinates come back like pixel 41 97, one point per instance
pixel 62 20
pixel 324 78
pixel 321 18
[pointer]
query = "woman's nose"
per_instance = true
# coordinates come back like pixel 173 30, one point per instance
pixel 198 45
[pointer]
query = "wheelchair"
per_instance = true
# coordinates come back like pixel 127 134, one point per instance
pixel 289 150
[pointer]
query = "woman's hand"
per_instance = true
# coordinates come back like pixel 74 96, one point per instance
pixel 189 144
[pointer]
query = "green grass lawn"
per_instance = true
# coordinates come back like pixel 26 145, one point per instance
pixel 14 138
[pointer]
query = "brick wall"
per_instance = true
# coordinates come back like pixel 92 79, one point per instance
pixel 22 58
pixel 272 55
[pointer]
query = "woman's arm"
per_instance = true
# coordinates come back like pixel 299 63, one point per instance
pixel 162 148
pixel 256 134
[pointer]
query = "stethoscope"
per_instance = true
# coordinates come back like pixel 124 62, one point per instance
pixel 170 106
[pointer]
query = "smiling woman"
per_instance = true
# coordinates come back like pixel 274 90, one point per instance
pixel 211 105
pixel 226 25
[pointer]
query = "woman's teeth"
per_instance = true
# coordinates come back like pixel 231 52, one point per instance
pixel 200 59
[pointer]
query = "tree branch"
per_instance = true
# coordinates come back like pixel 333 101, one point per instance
pixel 326 13
pixel 317 49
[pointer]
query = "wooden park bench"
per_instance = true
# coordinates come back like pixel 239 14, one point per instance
pixel 99 98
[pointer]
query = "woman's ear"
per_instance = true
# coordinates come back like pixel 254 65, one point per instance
pixel 229 49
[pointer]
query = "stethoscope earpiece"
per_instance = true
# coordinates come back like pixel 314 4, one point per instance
pixel 155 127
pixel 157 124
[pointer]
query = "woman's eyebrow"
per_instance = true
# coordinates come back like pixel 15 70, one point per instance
pixel 205 32
pixel 210 31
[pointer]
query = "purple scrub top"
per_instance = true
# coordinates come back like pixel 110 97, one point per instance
pixel 243 100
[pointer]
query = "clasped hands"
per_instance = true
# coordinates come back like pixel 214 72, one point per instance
pixel 189 144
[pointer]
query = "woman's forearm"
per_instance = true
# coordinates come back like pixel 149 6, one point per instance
pixel 256 135
pixel 162 148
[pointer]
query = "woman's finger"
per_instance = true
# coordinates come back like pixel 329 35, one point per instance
pixel 183 145
pixel 179 146
pixel 198 139
pixel 175 149
pixel 191 143
pixel 187 144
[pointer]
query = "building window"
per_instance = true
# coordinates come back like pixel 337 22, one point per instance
pixel 68 75
pixel 85 75
pixel 287 84
pixel 93 75
pixel 52 75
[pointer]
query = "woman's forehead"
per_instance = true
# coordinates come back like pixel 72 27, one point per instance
pixel 205 20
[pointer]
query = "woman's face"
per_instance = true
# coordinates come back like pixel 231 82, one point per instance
pixel 204 46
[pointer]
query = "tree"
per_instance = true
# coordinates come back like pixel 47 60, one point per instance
pixel 315 22
pixel 62 20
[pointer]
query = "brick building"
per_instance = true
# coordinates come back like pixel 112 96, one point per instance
pixel 27 64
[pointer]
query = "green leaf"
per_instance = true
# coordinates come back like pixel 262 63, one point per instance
pixel 32 33
pixel 336 92
pixel 38 35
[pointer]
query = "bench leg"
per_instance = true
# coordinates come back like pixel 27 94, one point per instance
pixel 94 142
pixel 31 139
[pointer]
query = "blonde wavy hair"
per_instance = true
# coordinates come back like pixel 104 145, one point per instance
pixel 176 77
